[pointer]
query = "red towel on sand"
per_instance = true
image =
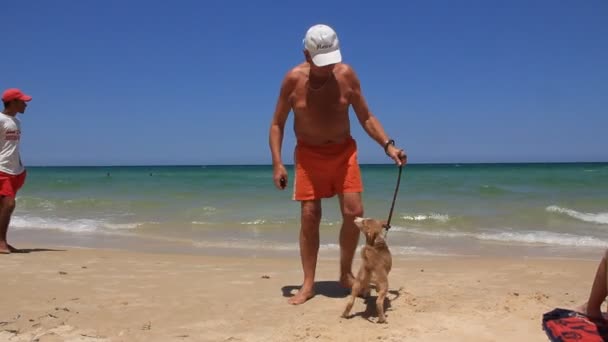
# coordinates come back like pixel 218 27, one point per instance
pixel 563 325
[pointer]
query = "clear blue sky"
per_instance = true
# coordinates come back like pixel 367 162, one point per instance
pixel 119 82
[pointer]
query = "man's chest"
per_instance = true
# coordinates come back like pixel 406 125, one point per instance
pixel 328 98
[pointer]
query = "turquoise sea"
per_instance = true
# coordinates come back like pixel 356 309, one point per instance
pixel 557 210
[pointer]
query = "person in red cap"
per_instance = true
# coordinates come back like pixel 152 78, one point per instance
pixel 12 172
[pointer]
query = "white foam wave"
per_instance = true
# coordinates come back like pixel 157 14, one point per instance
pixel 254 222
pixel 69 225
pixel 48 205
pixel 395 250
pixel 539 237
pixel 39 203
pixel 525 237
pixel 119 226
pixel 260 245
pixel 328 247
pixel 325 222
pixel 413 250
pixel 246 244
pixel 435 233
pixel 262 221
pixel 200 222
pixel 599 218
pixel 427 217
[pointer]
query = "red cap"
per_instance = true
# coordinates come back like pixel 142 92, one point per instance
pixel 15 94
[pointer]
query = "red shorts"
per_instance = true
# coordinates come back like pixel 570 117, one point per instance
pixel 322 171
pixel 10 184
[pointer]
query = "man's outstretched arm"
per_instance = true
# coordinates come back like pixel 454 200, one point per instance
pixel 369 122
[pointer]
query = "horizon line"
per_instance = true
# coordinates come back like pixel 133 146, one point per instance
pixel 291 164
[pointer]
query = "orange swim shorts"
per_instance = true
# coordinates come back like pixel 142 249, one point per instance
pixel 322 171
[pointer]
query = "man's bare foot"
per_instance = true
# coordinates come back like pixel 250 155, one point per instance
pixel 347 280
pixel 301 297
pixel 5 248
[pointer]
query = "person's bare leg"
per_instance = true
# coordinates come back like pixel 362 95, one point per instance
pixel 7 205
pixel 598 290
pixel 351 206
pixel 309 248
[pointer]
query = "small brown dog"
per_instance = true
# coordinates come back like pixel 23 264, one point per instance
pixel 375 266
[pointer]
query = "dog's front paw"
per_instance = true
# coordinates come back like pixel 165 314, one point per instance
pixel 382 321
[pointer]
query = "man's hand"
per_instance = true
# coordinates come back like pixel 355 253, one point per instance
pixel 279 176
pixel 397 154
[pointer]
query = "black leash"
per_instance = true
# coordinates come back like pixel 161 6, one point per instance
pixel 390 214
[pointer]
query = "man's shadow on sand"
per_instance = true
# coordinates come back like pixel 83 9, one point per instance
pixel 333 289
pixel 34 250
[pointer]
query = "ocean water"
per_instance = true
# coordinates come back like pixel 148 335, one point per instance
pixel 441 209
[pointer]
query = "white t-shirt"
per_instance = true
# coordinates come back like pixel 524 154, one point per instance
pixel 10 134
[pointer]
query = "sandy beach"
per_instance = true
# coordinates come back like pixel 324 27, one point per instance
pixel 70 294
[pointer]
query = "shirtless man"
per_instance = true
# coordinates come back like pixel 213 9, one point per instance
pixel 320 91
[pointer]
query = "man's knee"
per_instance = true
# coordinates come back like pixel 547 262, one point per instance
pixel 353 210
pixel 311 213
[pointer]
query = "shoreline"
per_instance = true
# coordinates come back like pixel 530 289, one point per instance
pixel 442 247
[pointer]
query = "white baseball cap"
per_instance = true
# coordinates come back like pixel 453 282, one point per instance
pixel 322 43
